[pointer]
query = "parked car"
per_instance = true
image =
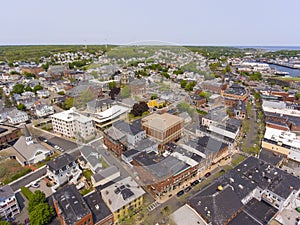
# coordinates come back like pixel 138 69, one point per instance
pixel 187 189
pixel 180 193
pixel 207 174
pixel 35 185
pixel 194 183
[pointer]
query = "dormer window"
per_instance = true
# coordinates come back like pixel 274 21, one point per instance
pixel 60 171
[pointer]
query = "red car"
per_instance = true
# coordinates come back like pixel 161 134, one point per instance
pixel 207 174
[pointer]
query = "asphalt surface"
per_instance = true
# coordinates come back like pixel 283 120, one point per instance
pixel 28 179
pixel 253 129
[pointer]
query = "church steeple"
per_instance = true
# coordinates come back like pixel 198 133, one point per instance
pixel 28 136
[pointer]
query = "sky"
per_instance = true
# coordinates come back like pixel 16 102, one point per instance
pixel 181 22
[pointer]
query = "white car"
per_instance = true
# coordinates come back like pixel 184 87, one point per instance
pixel 35 185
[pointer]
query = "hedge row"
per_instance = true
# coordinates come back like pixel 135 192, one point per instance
pixel 26 192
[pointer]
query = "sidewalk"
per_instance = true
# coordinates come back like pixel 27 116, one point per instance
pixel 213 169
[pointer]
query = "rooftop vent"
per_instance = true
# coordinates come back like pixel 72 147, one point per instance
pixel 241 186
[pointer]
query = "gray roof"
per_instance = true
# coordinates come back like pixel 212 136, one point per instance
pixel 70 201
pixel 222 205
pixel 91 155
pixel 60 162
pixel 28 150
pixel 105 173
pixel 6 192
pixel 96 204
pixel 127 128
pixel 160 166
pixel 144 144
pixel 27 133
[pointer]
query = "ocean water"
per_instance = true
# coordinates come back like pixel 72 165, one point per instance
pixel 271 48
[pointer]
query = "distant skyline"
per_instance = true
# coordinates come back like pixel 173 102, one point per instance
pixel 189 22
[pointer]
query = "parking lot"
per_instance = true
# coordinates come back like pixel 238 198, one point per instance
pixel 42 187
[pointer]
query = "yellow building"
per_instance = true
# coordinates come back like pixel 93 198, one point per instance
pixel 123 198
pixel 275 147
pixel 156 103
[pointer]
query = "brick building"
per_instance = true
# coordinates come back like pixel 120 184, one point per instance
pixel 8 134
pixel 163 128
pixel 162 174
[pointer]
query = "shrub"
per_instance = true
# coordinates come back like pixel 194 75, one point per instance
pixel 26 192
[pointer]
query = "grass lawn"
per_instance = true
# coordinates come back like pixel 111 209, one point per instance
pixel 237 159
pixel 11 170
pixel 104 163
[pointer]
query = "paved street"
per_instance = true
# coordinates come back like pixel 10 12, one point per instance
pixel 253 128
pixel 28 179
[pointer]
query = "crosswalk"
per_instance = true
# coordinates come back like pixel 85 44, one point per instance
pixel 153 206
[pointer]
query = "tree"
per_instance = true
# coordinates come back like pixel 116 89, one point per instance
pixel 18 89
pixel 139 108
pixel 112 85
pixel 28 88
pixel 1 92
pixel 45 66
pixel 113 92
pixel 69 103
pixel 86 96
pixel 41 214
pixel 183 83
pixel 21 106
pixel 125 92
pixel 37 197
pixel 227 69
pixel 298 95
pixel 154 96
pixel 190 86
pixel 7 102
pixel 3 222
pixel 204 94
pixel 37 88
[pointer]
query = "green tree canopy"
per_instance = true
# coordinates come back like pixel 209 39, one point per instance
pixel 41 214
pixel 190 86
pixel 125 92
pixel 37 197
pixel 112 85
pixel 28 88
pixel 7 102
pixel 21 106
pixel 37 88
pixel 298 95
pixel 183 83
pixel 69 103
pixel 18 89
pixel 3 222
pixel 1 92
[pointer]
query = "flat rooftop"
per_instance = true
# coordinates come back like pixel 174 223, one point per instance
pixel 161 122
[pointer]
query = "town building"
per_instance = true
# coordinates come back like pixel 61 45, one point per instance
pixel 123 197
pixel 161 174
pixel 100 212
pixel 99 105
pixel 9 206
pixel 16 116
pixel 73 124
pixel 63 169
pixel 28 151
pixel 109 116
pixel 105 176
pixel 254 192
pixel 92 158
pixel 115 140
pixel 70 207
pixel 137 87
pixel 235 92
pixel 214 86
pixel 8 134
pixel 197 100
pixel 43 110
pixel 163 128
